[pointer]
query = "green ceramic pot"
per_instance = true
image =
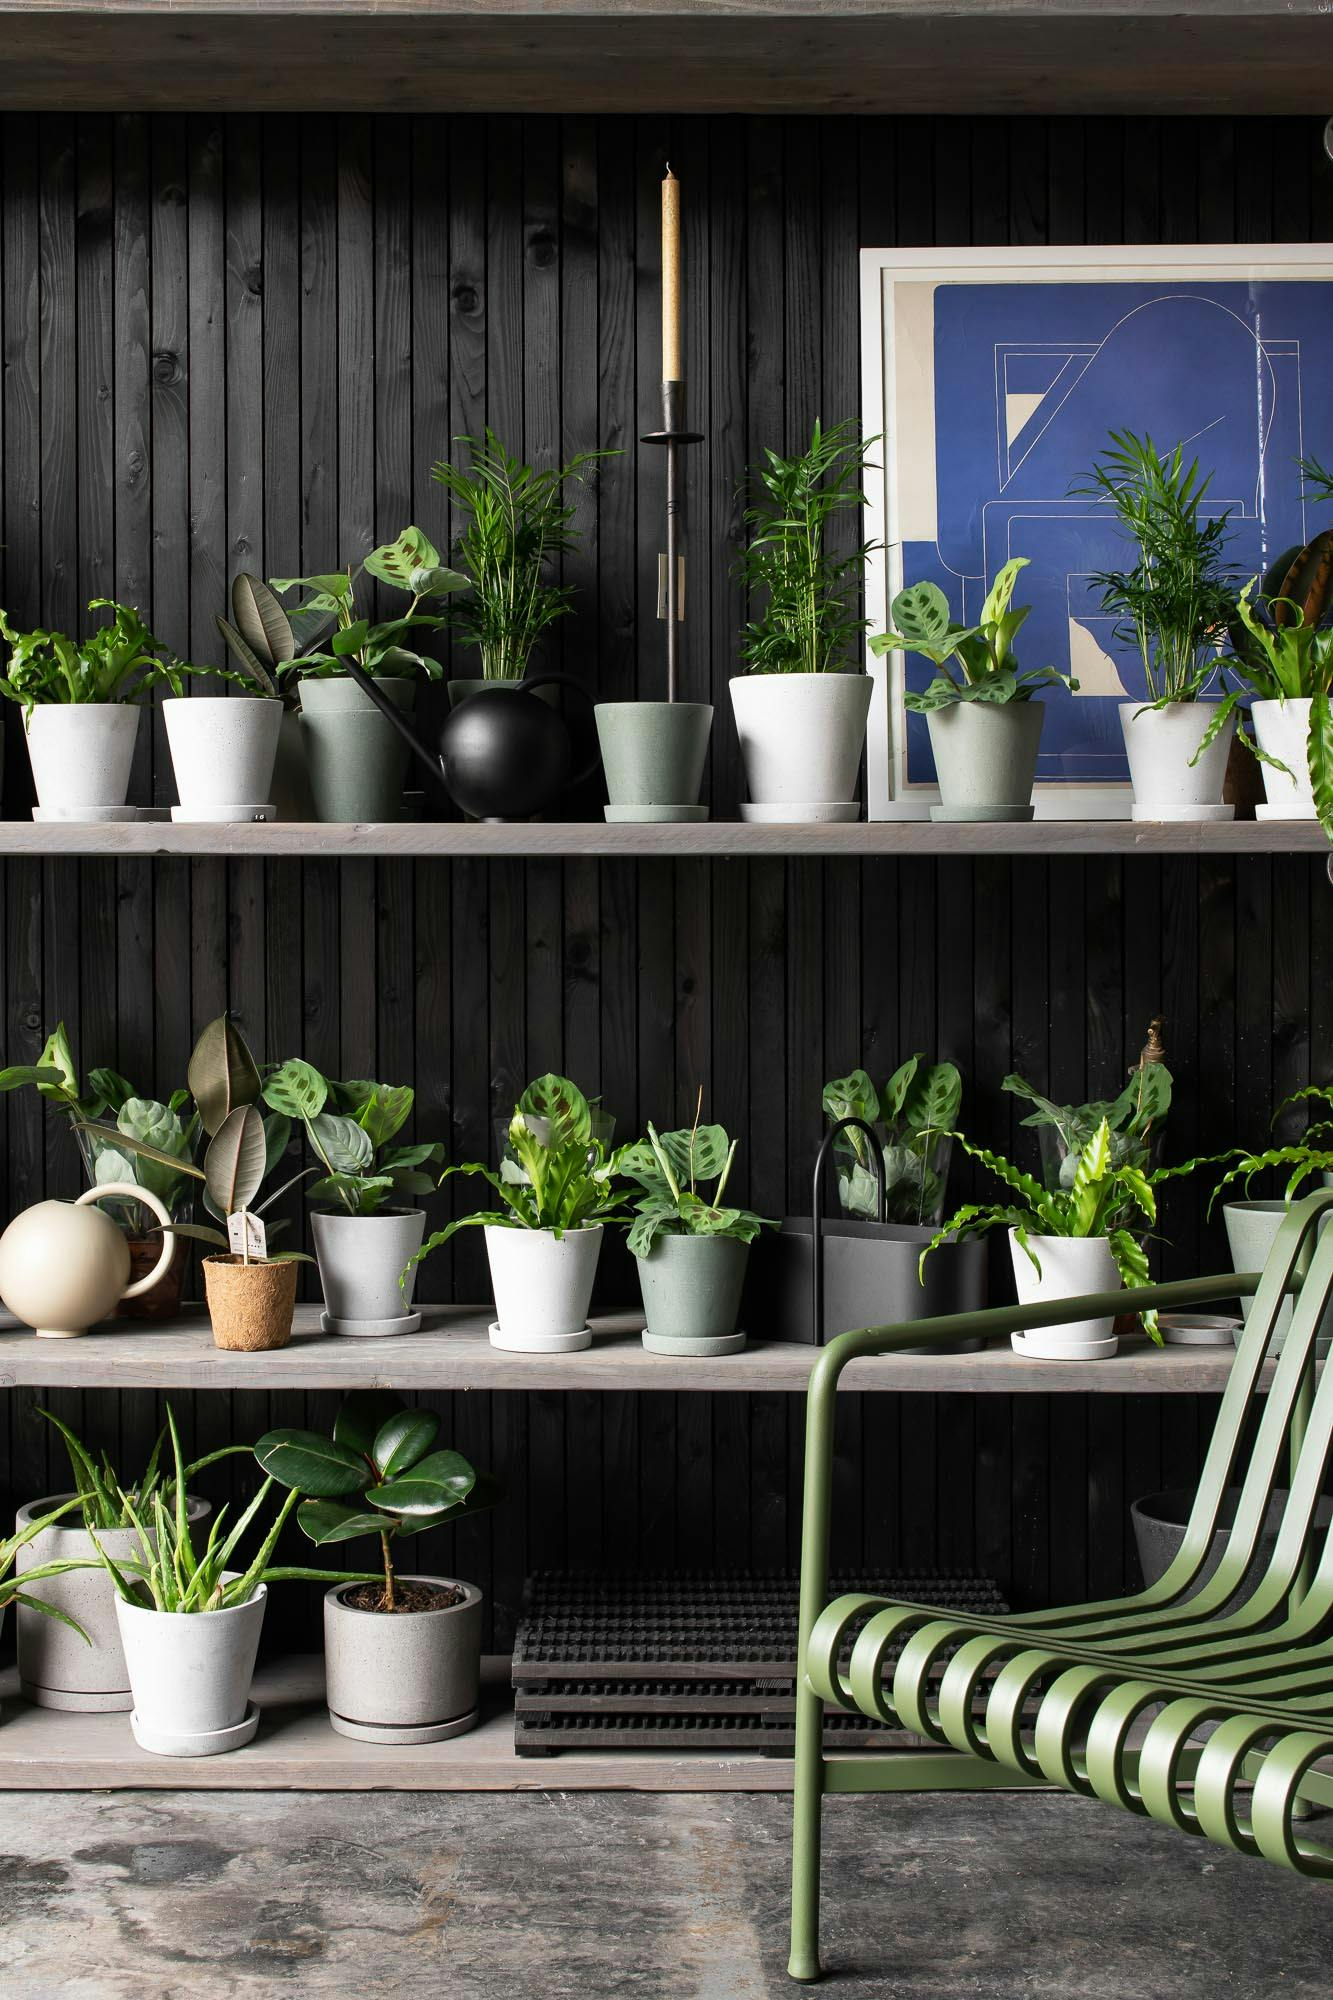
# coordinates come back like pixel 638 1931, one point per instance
pixel 691 1289
pixel 653 752
pixel 357 761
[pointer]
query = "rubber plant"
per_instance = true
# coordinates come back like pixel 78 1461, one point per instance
pixel 378 1474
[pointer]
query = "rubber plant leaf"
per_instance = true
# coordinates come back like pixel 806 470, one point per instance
pixel 324 1521
pixel 361 1418
pixel 261 620
pixel 320 1467
pixel 222 1075
pixel 234 1162
pixel 404 1439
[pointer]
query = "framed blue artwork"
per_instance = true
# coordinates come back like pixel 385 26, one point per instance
pixel 995 377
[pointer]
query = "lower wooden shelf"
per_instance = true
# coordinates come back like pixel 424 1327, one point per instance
pixel 42 1749
pixel 451 1351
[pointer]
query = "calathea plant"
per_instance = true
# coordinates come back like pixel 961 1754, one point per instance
pixel 913 1115
pixel 673 1169
pixel 972 662
pixel 411 564
pixel 349 1126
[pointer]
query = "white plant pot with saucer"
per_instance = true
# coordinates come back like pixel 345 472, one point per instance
pixel 190 1674
pixel 81 754
pixel 801 738
pixel 1070 1267
pixel 56 1668
pixel 1159 743
pixel 361 1259
pixel 1282 730
pixel 223 749
pixel 543 1287
pixel 404 1676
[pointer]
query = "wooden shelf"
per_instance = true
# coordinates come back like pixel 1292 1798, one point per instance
pixel 44 1749
pixel 451 1351
pixel 667 55
pixel 714 840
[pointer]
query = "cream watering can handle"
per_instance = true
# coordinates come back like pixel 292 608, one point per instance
pixel 133 1192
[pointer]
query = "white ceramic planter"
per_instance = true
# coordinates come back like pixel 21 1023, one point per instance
pixel 222 751
pixel 801 738
pixel 543 1287
pixel 190 1674
pixel 403 1676
pixel 1251 1229
pixel 56 1668
pixel 361 1258
pixel 81 753
pixel 985 758
pixel 1159 743
pixel 1282 729
pixel 1070 1266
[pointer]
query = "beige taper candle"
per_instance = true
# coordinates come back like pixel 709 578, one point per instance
pixel 671 285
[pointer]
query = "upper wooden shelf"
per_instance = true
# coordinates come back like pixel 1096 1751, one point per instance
pixel 717 839
pixel 451 1351
pixel 1071 56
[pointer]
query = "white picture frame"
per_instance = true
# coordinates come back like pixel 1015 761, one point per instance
pixel 899 338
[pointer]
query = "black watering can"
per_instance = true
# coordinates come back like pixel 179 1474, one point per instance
pixel 503 754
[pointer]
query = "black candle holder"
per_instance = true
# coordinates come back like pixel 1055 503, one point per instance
pixel 673 435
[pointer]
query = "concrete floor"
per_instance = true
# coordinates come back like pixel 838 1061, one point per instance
pixel 192 1896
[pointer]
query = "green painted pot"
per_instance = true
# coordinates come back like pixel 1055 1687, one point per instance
pixel 691 1289
pixel 357 761
pixel 653 752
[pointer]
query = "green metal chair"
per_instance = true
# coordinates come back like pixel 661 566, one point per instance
pixel 1052 1697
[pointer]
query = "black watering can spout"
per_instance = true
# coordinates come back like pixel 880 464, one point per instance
pixel 391 711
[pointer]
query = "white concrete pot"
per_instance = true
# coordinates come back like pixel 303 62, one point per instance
pixel 1159 743
pixel 985 758
pixel 56 1668
pixel 1070 1266
pixel 81 753
pixel 1252 1227
pixel 1282 729
pixel 543 1286
pixel 190 1674
pixel 362 1257
pixel 801 737
pixel 222 750
pixel 403 1676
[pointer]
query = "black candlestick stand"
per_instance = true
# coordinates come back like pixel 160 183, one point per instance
pixel 673 435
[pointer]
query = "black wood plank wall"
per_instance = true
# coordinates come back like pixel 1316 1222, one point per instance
pixel 243 342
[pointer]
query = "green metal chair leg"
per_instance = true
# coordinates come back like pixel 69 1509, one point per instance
pixel 807 1813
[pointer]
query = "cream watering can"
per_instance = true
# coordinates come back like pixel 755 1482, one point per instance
pixel 64 1265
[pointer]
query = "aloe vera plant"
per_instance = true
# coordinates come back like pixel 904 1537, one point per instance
pixel 15 1589
pixel 972 662
pixel 105 1501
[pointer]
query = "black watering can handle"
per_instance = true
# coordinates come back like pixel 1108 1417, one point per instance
pixel 568 681
pixel 817 1212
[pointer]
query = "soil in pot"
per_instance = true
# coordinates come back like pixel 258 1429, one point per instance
pixel 250 1305
pixel 408 1595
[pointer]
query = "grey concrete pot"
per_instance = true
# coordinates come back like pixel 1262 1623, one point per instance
pixel 691 1289
pixel 1251 1228
pixel 1159 1530
pixel 653 752
pixel 403 1677
pixel 362 1257
pixel 357 760
pixel 56 1669
pixel 190 1674
pixel 985 758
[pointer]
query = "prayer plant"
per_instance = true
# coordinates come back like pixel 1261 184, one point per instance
pixel 972 662
pixel 349 1126
pixel 410 564
pixel 670 1167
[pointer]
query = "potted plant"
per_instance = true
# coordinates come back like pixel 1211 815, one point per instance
pixel 801 700
pixel 356 757
pixel 365 1237
pixel 189 1624
pixel 543 1243
pixel 402 1653
pixel 224 746
pixel 1252 1224
pixel 913 1117
pixel 81 703
pixel 251 1295
pixel 14 1589
pixel 259 634
pixel 691 1248
pixel 1286 664
pixel 1135 1119
pixel 1174 605
pixel 86 1672
pixel 1065 1242
pixel 985 726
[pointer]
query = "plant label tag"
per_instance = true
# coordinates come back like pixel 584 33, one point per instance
pixel 246 1234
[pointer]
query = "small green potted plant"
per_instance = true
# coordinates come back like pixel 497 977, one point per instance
pixel 1067 1241
pixel 15 1586
pixel 1173 605
pixel 81 702
pixel 985 725
pixel 1285 662
pixel 366 1233
pixel 544 1241
pixel 802 697
pixel 224 744
pixel 189 1623
pixel 1253 1222
pixel 402 1653
pixel 356 757
pixel 692 1247
pixel 1136 1118
pixel 912 1117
